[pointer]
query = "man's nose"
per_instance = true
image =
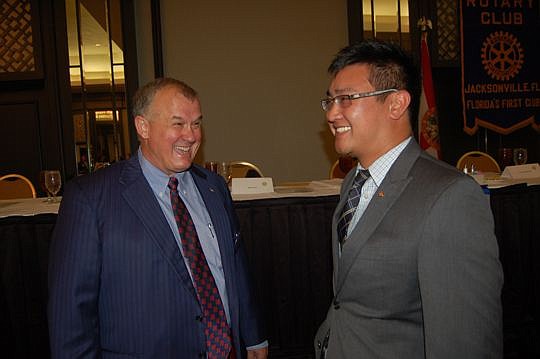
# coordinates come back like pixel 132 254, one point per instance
pixel 188 133
pixel 333 113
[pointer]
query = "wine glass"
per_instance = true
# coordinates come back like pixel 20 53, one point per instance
pixel 42 175
pixel 225 171
pixel 520 156
pixel 53 182
pixel 212 166
pixel 506 157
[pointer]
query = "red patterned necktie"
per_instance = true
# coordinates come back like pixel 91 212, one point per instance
pixel 216 329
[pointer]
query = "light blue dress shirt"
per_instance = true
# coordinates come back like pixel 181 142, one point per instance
pixel 203 224
pixel 377 171
pixel 189 193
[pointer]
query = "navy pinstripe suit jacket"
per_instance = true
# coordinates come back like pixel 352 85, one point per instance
pixel 118 286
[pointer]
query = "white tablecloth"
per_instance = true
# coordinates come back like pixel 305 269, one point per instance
pixel 27 207
pixel 31 206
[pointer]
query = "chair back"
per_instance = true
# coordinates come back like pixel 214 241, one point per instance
pixel 242 169
pixel 342 166
pixel 16 186
pixel 480 160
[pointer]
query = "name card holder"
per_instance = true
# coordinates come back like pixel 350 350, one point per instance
pixel 252 185
pixel 529 170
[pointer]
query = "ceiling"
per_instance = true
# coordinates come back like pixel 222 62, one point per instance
pixel 96 53
pixel 95 50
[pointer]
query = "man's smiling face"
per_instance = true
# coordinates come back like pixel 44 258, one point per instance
pixel 359 129
pixel 171 132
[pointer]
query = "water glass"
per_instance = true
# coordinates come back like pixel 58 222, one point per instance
pixel 520 156
pixel 42 176
pixel 53 182
pixel 225 171
pixel 212 166
pixel 506 157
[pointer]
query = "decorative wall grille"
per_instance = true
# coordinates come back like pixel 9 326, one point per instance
pixel 447 31
pixel 16 42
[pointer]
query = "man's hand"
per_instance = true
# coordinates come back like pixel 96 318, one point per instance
pixel 257 353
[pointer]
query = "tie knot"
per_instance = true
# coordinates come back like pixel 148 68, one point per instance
pixel 173 183
pixel 362 175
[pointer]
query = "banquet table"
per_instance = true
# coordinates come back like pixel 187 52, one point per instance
pixel 287 238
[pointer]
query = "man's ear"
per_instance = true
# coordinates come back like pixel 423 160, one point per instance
pixel 141 124
pixel 399 103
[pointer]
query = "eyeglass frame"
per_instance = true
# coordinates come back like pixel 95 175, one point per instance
pixel 327 103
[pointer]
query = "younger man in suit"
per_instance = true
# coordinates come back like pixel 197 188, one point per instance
pixel 146 258
pixel 416 268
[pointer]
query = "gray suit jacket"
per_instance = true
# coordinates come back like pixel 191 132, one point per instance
pixel 419 276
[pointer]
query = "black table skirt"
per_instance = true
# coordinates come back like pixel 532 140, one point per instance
pixel 24 250
pixel 288 247
pixel 516 211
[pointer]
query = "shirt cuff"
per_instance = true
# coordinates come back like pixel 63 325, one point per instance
pixel 258 346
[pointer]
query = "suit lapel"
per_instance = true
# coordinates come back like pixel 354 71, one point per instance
pixel 209 193
pixel 213 201
pixel 387 194
pixel 221 220
pixel 139 196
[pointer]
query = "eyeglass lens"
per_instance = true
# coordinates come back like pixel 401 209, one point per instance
pixel 341 100
pixel 345 100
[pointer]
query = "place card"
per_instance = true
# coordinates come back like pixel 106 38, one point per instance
pixel 252 185
pixel 529 170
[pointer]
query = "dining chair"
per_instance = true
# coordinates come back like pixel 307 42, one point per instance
pixel 342 166
pixel 480 160
pixel 16 186
pixel 241 169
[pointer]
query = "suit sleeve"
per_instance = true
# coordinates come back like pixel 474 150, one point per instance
pixel 74 267
pixel 460 276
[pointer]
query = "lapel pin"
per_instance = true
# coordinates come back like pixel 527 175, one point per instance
pixel 380 194
pixel 211 189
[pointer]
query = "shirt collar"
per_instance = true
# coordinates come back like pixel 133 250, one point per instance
pixel 382 165
pixel 157 179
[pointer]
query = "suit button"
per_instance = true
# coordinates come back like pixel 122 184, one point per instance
pixel 198 318
pixel 202 355
pixel 336 304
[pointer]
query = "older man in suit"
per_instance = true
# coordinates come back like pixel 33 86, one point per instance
pixel 146 257
pixel 416 268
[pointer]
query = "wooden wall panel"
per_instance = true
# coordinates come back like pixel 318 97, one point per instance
pixel 20 147
pixel 35 97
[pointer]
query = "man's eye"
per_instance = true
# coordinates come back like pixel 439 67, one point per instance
pixel 341 98
pixel 196 124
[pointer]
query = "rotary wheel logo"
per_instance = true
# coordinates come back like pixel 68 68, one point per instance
pixel 502 55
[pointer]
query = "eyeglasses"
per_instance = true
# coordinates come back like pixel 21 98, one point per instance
pixel 345 100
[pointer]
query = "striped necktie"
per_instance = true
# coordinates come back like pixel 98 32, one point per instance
pixel 349 208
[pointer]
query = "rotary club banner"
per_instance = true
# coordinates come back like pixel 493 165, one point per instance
pixel 500 64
